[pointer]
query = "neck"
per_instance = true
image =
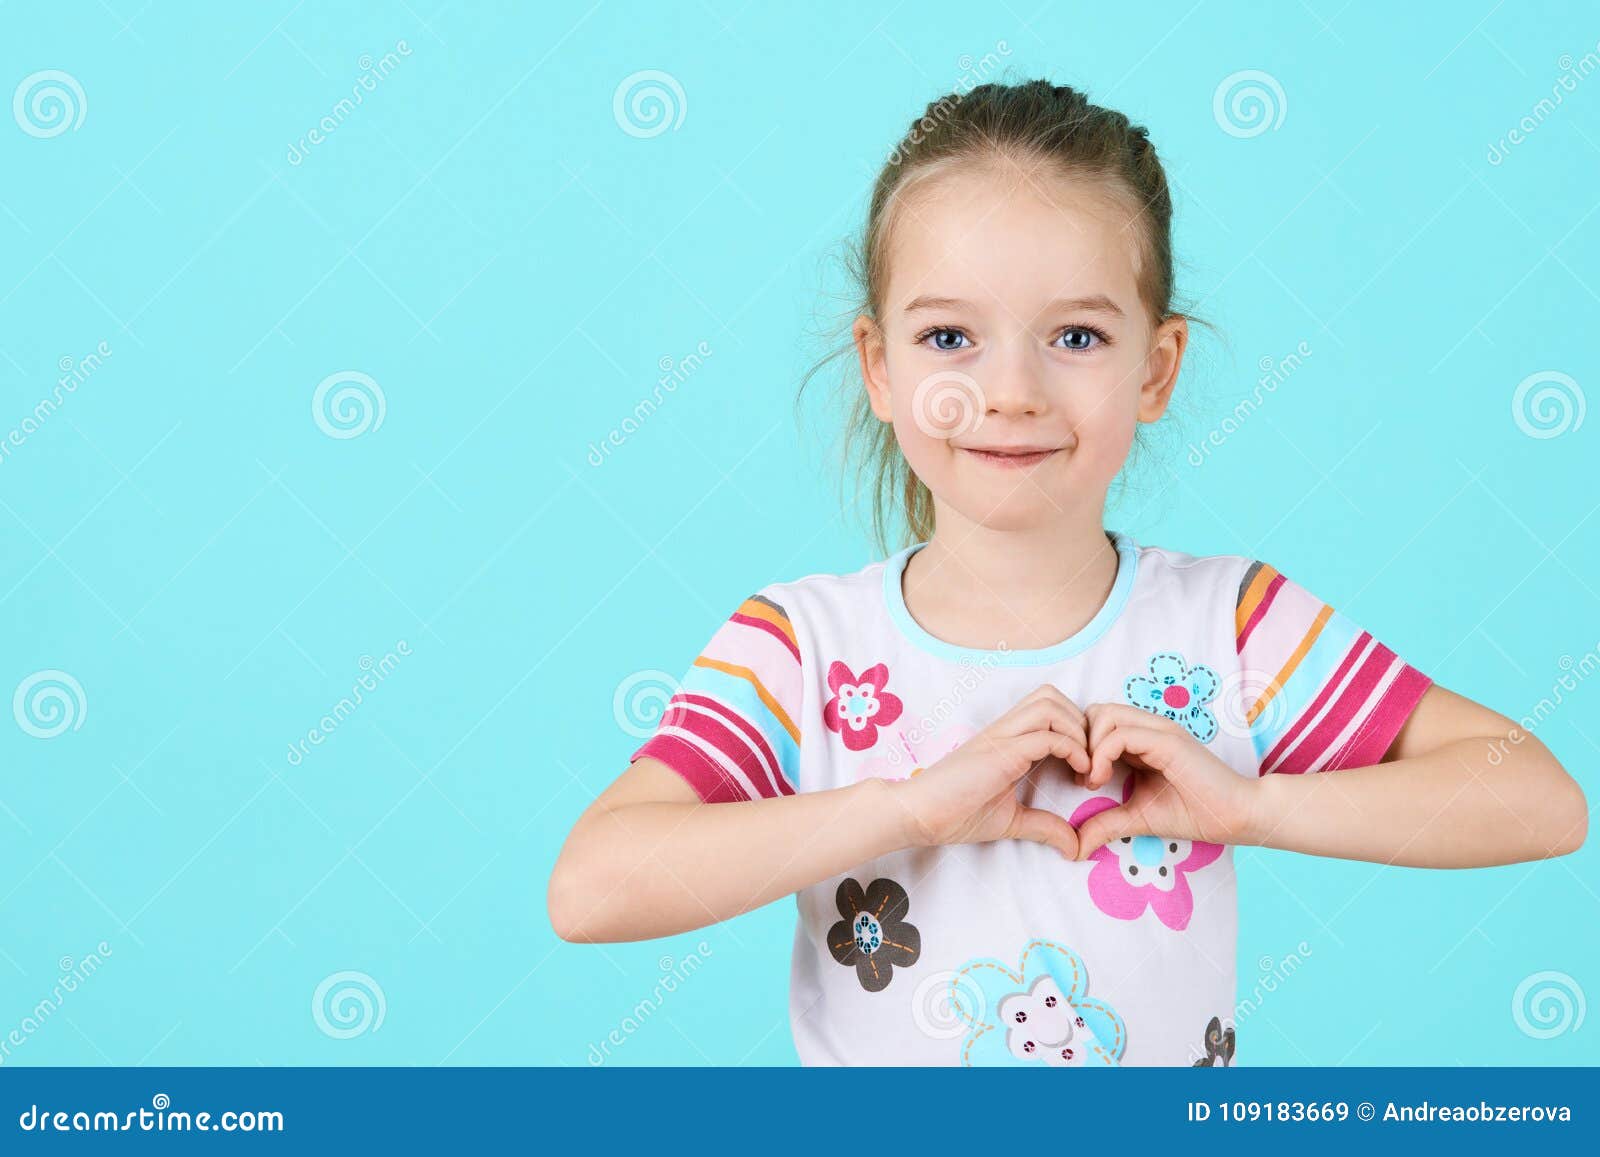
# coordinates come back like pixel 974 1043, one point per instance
pixel 976 586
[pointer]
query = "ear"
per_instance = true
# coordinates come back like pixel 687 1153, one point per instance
pixel 1164 361
pixel 874 367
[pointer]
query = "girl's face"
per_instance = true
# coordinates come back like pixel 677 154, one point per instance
pixel 1013 354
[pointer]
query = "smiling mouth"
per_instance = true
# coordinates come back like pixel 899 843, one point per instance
pixel 1008 458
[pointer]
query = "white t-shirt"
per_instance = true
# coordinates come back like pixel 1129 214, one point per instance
pixel 1006 953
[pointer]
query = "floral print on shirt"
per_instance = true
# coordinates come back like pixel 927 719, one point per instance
pixel 1178 691
pixel 874 936
pixel 1136 872
pixel 914 751
pixel 860 704
pixel 1218 1045
pixel 1041 1013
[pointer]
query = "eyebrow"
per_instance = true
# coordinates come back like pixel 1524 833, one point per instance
pixel 1094 303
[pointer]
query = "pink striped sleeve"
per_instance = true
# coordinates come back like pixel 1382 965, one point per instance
pixel 731 729
pixel 1331 695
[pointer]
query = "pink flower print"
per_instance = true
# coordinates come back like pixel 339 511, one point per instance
pixel 860 705
pixel 1134 872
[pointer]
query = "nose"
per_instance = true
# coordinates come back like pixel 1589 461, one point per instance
pixel 1013 383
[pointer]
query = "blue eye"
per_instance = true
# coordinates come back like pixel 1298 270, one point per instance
pixel 1080 338
pixel 944 338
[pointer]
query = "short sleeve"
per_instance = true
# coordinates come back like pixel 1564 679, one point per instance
pixel 1321 693
pixel 731 727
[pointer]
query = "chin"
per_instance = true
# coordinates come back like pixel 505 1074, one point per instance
pixel 1015 511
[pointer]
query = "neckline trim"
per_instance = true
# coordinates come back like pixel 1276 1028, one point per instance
pixel 1079 641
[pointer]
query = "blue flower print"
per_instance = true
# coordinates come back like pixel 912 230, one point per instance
pixel 1178 691
pixel 1041 1013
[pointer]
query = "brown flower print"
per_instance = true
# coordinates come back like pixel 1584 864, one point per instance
pixel 1219 1046
pixel 873 934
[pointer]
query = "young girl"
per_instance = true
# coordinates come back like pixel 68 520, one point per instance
pixel 1003 769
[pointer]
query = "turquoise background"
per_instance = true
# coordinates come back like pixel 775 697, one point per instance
pixel 483 239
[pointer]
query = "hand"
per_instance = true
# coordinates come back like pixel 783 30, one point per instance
pixel 970 796
pixel 1180 789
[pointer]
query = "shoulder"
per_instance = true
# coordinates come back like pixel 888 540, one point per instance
pixel 824 595
pixel 1220 578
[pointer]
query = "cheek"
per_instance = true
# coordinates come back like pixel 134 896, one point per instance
pixel 926 454
pixel 1107 412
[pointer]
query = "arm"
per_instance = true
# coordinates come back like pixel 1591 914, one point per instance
pixel 649 859
pixel 1460 787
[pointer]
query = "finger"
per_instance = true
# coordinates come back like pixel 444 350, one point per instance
pixel 1021 752
pixel 1114 714
pixel 1112 824
pixel 1155 749
pixel 1051 693
pixel 1100 719
pixel 1144 736
pixel 1040 826
pixel 1038 714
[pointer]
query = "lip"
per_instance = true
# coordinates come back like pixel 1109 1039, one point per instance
pixel 1010 457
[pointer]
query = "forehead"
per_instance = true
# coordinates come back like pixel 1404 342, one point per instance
pixel 1010 236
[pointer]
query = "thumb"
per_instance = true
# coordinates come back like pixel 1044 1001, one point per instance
pixel 1045 827
pixel 1111 824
